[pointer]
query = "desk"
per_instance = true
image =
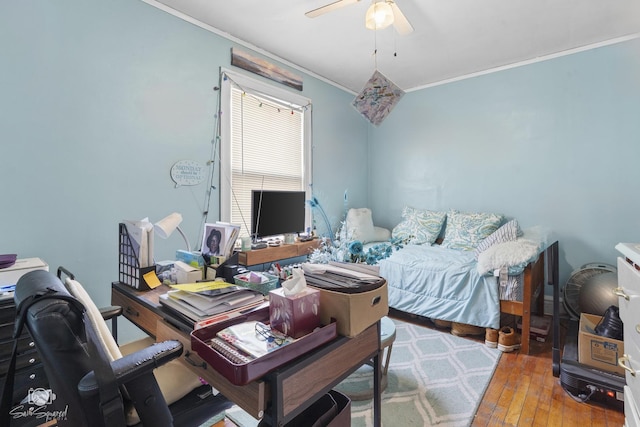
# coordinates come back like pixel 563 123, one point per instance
pixel 277 253
pixel 280 395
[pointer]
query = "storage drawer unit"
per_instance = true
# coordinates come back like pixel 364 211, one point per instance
pixel 29 373
pixel 629 303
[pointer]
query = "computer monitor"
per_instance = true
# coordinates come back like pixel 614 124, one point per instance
pixel 277 212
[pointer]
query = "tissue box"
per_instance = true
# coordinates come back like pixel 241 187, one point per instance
pixel 186 273
pixel 191 258
pixel 295 315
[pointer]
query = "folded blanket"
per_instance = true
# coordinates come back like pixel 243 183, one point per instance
pixel 515 254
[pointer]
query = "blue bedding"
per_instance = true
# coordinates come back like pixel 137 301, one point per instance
pixel 441 283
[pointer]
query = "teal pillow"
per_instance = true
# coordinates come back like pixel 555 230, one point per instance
pixel 419 226
pixel 465 231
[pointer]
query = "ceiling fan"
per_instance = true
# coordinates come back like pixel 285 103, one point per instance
pixel 380 14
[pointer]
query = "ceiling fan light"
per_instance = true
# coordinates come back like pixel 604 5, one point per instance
pixel 379 16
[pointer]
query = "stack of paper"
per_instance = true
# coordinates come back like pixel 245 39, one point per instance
pixel 200 301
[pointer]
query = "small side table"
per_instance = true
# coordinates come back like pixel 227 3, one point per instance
pixel 387 337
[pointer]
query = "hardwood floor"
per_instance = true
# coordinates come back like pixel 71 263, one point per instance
pixel 524 392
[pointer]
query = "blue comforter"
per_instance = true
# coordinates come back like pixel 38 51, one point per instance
pixel 441 283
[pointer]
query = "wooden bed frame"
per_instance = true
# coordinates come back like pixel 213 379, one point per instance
pixel 532 297
pixel 532 293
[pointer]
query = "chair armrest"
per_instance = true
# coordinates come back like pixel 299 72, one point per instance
pixel 134 365
pixel 110 311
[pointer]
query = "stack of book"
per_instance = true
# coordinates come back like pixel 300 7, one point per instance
pixel 201 303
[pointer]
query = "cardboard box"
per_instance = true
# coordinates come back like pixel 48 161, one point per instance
pixel 353 312
pixel 594 350
pixel 186 273
pixel 295 315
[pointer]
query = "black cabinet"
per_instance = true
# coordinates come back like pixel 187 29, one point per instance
pixel 29 373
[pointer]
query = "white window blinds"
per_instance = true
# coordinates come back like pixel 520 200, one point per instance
pixel 269 149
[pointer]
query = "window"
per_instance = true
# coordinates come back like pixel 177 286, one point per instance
pixel 266 144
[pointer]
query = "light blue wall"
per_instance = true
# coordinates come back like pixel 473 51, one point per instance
pixel 555 143
pixel 99 100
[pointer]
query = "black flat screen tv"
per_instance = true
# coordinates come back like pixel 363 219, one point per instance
pixel 277 212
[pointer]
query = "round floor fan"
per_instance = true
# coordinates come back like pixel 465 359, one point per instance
pixel 578 278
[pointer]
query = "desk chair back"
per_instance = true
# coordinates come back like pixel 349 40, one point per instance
pixel 88 390
pixel 57 327
pixel 174 378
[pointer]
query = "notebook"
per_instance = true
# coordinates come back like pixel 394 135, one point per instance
pixel 230 352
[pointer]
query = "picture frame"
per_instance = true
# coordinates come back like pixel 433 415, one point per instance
pixel 225 234
pixel 265 69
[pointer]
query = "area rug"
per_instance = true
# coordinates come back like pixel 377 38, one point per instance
pixel 434 378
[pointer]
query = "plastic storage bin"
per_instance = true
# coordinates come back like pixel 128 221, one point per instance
pixel 263 287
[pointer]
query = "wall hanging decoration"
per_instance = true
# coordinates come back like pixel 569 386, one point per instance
pixel 187 172
pixel 378 98
pixel 265 69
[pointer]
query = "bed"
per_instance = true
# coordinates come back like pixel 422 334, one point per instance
pixel 444 284
pixel 466 268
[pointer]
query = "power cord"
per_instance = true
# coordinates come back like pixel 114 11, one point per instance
pixel 582 397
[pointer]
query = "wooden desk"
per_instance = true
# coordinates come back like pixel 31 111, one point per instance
pixel 280 395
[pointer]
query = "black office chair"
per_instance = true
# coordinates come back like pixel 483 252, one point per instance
pixel 86 389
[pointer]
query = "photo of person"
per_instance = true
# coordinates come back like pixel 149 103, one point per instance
pixel 218 241
pixel 212 245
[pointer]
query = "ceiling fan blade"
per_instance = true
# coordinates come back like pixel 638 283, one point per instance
pixel 329 7
pixel 400 22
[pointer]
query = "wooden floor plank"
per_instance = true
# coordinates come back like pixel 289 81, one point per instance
pixel 517 403
pixel 598 417
pixel 543 407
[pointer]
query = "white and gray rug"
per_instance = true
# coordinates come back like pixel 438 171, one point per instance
pixel 434 378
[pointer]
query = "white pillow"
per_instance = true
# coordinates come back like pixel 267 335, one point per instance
pixel 381 234
pixel 102 331
pixel 359 225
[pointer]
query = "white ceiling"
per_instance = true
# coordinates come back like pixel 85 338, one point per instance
pixel 452 38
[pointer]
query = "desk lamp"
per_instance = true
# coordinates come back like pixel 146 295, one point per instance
pixel 166 226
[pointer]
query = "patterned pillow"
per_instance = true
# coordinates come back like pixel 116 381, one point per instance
pixel 419 226
pixel 508 232
pixel 466 230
